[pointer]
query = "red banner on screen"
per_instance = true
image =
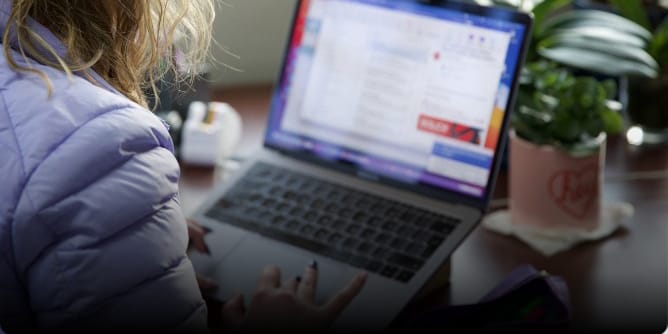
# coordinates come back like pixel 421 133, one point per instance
pixel 449 129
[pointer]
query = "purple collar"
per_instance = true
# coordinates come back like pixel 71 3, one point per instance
pixel 50 38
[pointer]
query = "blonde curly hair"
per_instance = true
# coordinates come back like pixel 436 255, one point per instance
pixel 129 43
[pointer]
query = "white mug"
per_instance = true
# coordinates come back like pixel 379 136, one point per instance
pixel 211 133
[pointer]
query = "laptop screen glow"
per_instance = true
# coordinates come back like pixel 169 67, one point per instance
pixel 408 91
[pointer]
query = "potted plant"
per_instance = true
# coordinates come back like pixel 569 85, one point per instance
pixel 557 148
pixel 632 46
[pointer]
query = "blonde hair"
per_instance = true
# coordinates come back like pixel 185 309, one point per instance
pixel 129 43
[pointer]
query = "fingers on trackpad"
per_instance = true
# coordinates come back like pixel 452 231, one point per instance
pixel 239 271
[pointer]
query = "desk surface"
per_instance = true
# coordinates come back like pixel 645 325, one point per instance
pixel 616 284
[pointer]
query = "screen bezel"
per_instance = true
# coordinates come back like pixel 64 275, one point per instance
pixel 452 196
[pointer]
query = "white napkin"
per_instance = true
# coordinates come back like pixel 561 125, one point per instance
pixel 551 241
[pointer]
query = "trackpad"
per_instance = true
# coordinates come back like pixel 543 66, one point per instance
pixel 221 240
pixel 239 271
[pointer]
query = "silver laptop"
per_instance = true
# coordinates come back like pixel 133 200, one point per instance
pixel 381 151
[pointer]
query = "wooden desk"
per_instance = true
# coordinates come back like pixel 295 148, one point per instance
pixel 616 285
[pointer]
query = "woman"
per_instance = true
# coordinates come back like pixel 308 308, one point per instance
pixel 92 237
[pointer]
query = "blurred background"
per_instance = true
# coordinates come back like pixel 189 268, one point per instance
pixel 255 31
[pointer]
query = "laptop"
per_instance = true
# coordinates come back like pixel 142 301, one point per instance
pixel 380 154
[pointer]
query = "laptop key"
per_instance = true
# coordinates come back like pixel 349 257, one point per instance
pixel 347 199
pixel 421 236
pixel 390 225
pixel 317 204
pixel 269 203
pixel 297 212
pixel 334 239
pixel 301 199
pixel 362 204
pixel 405 230
pixel 389 271
pixel 367 234
pixel 374 266
pixel 332 208
pixel 392 212
pixel 441 228
pixel 324 220
pixel 277 220
pixel 349 243
pixel 264 216
pixel 420 223
pixel 333 195
pixel 382 238
pixel 405 261
pixel 428 251
pixel 405 276
pixel 435 240
pixel 339 255
pixel 276 192
pixel 292 225
pixel 310 215
pixel 364 247
pixel 380 253
pixel 338 224
pixel 346 213
pixel 321 234
pixel 408 216
pixel 374 221
pixel 452 220
pixel 414 248
pixel 353 229
pixel 306 230
pixel 377 208
pixel 359 216
pixel 283 207
pixel 398 243
pixel 290 195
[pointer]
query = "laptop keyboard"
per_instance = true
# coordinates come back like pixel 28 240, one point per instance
pixel 366 231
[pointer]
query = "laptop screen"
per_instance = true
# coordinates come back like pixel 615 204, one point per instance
pixel 404 90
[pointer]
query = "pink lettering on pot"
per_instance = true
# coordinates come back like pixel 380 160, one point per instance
pixel 574 191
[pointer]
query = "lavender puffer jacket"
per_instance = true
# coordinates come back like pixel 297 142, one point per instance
pixel 91 233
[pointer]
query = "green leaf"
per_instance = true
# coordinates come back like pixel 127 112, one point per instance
pixel 598 56
pixel 594 126
pixel 596 18
pixel 565 128
pixel 610 87
pixel 601 33
pixel 583 148
pixel 658 46
pixel 556 108
pixel 614 123
pixel 633 10
pixel 543 10
pixel 534 116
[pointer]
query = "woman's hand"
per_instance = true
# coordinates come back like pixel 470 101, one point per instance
pixel 196 233
pixel 288 307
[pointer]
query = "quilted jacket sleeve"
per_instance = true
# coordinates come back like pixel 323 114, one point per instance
pixel 99 237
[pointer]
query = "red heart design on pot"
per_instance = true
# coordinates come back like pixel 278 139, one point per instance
pixel 574 191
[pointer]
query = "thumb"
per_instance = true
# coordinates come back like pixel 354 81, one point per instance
pixel 233 313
